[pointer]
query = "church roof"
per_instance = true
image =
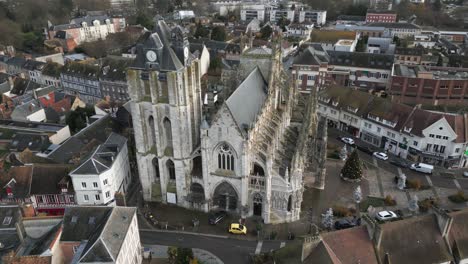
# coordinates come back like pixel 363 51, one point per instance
pixel 247 100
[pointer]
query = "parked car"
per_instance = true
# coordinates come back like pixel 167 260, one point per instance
pixel 347 140
pixel 380 155
pixel 465 174
pixel 386 215
pixel 365 149
pixel 347 223
pixel 400 163
pixel 237 229
pixel 217 217
pixel 422 167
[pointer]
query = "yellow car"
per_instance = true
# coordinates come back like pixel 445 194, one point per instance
pixel 238 229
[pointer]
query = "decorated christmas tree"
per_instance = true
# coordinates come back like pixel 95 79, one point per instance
pixel 352 169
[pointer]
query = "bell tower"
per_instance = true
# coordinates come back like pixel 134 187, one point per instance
pixel 164 85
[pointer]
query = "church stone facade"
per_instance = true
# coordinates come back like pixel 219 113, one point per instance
pixel 246 153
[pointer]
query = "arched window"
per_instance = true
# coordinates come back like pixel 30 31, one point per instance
pixel 152 135
pixel 168 131
pixel 258 170
pixel 290 203
pixel 226 159
pixel 156 168
pixel 171 169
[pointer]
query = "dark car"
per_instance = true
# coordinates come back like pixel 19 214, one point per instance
pixel 366 149
pixel 347 223
pixel 400 163
pixel 217 217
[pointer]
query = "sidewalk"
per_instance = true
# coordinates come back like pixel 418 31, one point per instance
pixel 159 255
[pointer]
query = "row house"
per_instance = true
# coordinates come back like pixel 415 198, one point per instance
pixel 106 172
pixel 385 16
pixel 315 66
pixel 409 132
pixel 431 85
pixel 82 80
pixel 113 78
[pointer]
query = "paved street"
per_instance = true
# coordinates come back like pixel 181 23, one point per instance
pixel 229 250
pixel 436 179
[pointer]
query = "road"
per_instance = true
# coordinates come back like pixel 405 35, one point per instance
pixel 436 179
pixel 230 251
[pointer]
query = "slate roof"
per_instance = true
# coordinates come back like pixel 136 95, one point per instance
pixel 77 225
pixel 89 19
pixel 103 157
pixel 86 70
pixel 81 142
pixel 46 177
pixel 20 86
pixel 416 238
pixel 361 59
pixel 7 211
pixel 159 41
pixel 409 51
pixel 114 68
pixel 247 100
pixel 33 65
pixel 308 56
pixel 35 142
pixel 16 61
pixel 103 228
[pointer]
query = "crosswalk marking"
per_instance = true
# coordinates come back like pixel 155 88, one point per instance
pixel 259 247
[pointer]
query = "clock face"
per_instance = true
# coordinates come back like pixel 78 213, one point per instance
pixel 151 56
pixel 186 52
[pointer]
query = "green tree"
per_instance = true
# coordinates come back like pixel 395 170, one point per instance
pixel 266 32
pixel 76 120
pixel 356 10
pixel 362 44
pixel 201 31
pixel 218 33
pixel 180 255
pixel 144 20
pixel 283 22
pixel 353 167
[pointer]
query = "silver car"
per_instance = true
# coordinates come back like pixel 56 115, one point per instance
pixel 386 215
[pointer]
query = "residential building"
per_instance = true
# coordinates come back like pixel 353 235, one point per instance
pixel 363 30
pixel 86 29
pixel 55 58
pixel 184 14
pixel 113 79
pixel 329 38
pixel 82 80
pixel 409 132
pixel 51 74
pixel 9 238
pixel 277 14
pixel 34 69
pixel 224 7
pixel 350 20
pixel 55 133
pixel 430 85
pixel 425 41
pixel 15 185
pixel 384 16
pixel 249 12
pixel 95 234
pixel 314 66
pixel 380 45
pixel 29 111
pixel 401 30
pixel 15 66
pixel 458 37
pixel 106 172
pixel 408 56
pixel 51 188
pixel 298 30
pixel 315 17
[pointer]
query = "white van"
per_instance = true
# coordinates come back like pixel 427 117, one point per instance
pixel 422 167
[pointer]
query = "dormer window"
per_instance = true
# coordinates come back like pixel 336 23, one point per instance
pixel 335 103
pixel 352 109
pixel 9 191
pixel 407 129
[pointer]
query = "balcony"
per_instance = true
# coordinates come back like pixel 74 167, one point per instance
pixel 257 182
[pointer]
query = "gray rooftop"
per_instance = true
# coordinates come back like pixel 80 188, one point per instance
pixel 247 100
pixel 103 157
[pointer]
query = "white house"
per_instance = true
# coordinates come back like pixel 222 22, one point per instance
pixel 106 172
pixel 409 132
pixel 313 16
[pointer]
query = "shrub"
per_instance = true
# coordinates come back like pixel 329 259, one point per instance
pixel 427 203
pixel 389 201
pixel 414 184
pixel 341 211
pixel 459 197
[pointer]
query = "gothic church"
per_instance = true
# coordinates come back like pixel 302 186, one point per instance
pixel 246 153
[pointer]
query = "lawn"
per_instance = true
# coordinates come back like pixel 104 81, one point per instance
pixel 371 201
